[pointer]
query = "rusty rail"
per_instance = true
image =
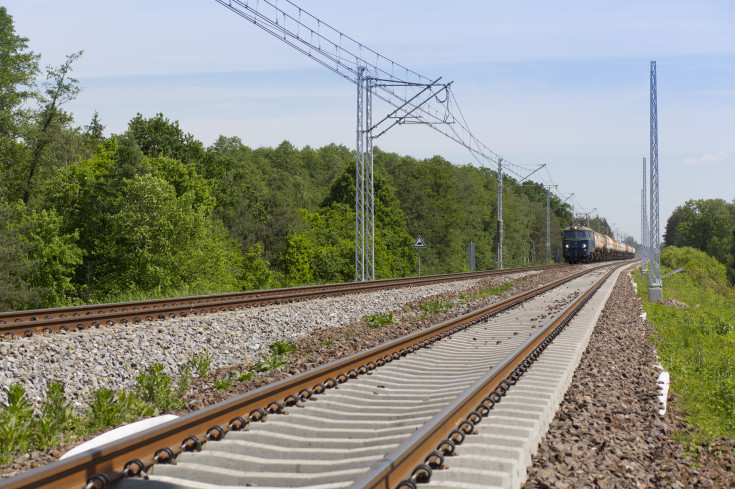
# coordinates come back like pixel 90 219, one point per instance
pixel 128 457
pixel 415 459
pixel 39 321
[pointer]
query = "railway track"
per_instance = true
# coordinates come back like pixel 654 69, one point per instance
pixel 39 321
pixel 367 420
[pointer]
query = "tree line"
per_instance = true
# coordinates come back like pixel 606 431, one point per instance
pixel 86 217
pixel 707 225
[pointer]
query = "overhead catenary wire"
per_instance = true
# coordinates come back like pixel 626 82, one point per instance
pixel 345 56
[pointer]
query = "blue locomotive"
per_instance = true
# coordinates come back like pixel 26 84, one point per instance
pixel 580 244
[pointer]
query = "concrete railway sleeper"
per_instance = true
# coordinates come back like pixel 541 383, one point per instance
pixel 344 417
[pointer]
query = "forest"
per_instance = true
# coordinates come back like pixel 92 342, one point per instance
pixel 87 217
pixel 707 225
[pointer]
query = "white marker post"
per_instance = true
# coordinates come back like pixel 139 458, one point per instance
pixel 419 244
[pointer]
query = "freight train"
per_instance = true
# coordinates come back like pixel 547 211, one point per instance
pixel 581 244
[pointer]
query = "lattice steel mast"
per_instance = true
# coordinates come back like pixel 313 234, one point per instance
pixel 364 223
pixel 500 204
pixel 415 98
pixel 644 223
pixel 654 278
pixel 548 223
pixel 500 214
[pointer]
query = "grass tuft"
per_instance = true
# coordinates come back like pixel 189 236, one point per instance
pixel 430 308
pixel 278 356
pixel 379 320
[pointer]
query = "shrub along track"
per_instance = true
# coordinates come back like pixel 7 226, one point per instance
pixel 268 397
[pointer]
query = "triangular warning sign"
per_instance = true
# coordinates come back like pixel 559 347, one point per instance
pixel 419 243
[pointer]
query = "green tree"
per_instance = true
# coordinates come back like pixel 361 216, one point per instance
pixel 49 121
pixel 255 273
pixel 15 267
pixel 96 129
pixel 159 136
pixel 671 234
pixel 146 223
pixel 160 241
pixel 55 256
pixel 18 71
pixel 37 260
pixel 708 225
pixel 325 251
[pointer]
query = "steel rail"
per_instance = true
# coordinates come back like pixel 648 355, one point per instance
pixel 39 321
pixel 97 468
pixel 414 460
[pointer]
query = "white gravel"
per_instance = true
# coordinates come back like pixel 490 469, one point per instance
pixel 113 356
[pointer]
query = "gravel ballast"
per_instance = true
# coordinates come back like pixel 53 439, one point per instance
pixel 322 340
pixel 112 357
pixel 607 432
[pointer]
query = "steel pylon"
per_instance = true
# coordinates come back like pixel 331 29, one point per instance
pixel 654 278
pixel 644 223
pixel 364 201
pixel 500 214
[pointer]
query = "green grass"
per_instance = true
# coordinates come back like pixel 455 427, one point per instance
pixel 379 320
pixel 223 384
pixel 278 356
pixel 158 389
pixel 130 296
pixel 697 343
pixel 430 308
pixel 242 376
pixel 488 292
pixel 200 363
pixel 24 429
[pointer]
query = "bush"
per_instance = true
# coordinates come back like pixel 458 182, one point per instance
pixel 698 265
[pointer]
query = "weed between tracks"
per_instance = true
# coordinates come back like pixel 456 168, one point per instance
pixel 488 292
pixel 379 320
pixel 430 308
pixel 24 430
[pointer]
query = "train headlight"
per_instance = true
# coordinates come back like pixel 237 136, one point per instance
pixel 566 246
pixel 584 245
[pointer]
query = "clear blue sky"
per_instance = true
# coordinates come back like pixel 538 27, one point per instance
pixel 562 83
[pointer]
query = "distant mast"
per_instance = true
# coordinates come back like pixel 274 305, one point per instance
pixel 654 279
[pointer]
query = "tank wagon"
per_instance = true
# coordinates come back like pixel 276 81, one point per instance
pixel 581 244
